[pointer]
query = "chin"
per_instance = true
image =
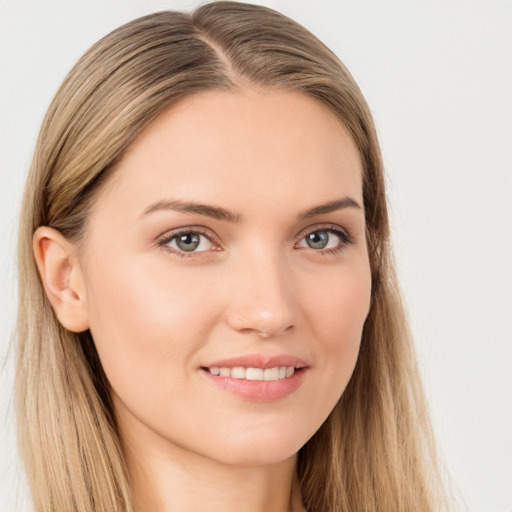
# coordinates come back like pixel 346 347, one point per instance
pixel 249 458
pixel 261 450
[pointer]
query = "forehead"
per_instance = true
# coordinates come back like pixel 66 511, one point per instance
pixel 246 147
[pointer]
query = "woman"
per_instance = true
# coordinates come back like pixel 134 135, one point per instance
pixel 209 316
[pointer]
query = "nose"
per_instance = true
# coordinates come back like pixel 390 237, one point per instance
pixel 262 298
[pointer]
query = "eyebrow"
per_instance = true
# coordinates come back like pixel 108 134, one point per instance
pixel 216 212
pixel 331 206
pixel 219 213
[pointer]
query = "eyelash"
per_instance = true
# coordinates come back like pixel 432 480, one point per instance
pixel 342 234
pixel 169 237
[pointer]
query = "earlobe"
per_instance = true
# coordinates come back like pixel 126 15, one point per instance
pixel 61 275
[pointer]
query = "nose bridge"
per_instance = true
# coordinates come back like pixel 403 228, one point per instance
pixel 262 298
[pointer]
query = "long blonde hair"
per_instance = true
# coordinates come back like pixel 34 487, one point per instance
pixel 375 451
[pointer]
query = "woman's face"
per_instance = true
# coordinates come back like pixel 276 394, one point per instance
pixel 229 247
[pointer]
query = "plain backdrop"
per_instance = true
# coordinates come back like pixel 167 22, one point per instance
pixel 438 77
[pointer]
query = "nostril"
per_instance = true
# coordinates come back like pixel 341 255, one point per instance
pixel 265 333
pixel 265 319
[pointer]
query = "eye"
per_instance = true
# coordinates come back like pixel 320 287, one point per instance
pixel 330 240
pixel 187 242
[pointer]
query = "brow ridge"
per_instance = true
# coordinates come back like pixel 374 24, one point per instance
pixel 224 214
pixel 331 206
pixel 215 212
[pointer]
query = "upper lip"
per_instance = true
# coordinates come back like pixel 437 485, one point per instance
pixel 259 361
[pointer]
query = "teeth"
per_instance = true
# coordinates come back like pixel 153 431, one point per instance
pixel 254 374
pixel 271 374
pixel 239 372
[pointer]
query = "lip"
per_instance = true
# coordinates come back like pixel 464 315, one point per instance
pixel 258 361
pixel 253 390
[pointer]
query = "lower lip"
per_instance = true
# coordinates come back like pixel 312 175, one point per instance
pixel 258 390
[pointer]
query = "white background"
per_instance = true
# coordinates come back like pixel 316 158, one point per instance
pixel 438 77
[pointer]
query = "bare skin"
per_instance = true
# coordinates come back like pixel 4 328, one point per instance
pixel 233 227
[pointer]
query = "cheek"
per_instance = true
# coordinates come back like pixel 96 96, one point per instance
pixel 339 306
pixel 337 313
pixel 142 320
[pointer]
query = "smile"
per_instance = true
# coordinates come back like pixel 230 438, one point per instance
pixel 240 372
pixel 260 382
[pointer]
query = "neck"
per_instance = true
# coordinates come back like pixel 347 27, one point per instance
pixel 169 478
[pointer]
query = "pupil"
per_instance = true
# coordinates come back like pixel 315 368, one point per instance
pixel 188 242
pixel 318 239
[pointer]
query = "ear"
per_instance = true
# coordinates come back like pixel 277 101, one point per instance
pixel 59 268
